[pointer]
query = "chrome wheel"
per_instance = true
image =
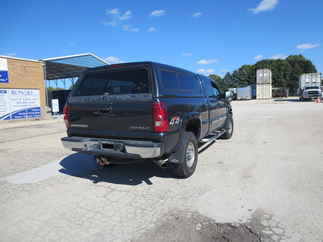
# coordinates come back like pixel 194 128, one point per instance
pixel 190 154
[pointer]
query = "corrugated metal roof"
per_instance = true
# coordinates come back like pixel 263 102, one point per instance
pixel 85 60
pixel 70 66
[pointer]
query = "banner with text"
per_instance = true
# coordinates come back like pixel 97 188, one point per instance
pixel 19 104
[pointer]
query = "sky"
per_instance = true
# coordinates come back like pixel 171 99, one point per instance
pixel 206 36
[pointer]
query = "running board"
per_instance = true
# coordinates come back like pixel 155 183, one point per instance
pixel 213 136
pixel 208 140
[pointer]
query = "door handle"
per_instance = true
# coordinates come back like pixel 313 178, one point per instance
pixel 103 111
pixel 106 110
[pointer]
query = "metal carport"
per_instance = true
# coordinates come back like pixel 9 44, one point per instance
pixel 62 72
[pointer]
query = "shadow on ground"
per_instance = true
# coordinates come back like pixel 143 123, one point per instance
pixel 84 166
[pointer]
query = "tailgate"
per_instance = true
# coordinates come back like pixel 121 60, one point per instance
pixel 112 103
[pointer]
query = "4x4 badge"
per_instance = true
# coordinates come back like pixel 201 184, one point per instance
pixel 174 121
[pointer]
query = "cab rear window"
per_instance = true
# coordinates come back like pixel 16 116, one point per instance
pixel 113 83
pixel 179 83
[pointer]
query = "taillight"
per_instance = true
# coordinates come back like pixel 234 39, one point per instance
pixel 66 112
pixel 160 117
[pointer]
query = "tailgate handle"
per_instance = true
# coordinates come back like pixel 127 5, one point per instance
pixel 103 111
pixel 106 110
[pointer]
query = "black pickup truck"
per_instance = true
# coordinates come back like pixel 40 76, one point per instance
pixel 146 111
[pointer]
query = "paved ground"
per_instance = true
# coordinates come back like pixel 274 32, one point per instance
pixel 267 180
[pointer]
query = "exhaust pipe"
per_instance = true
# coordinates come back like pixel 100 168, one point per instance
pixel 161 163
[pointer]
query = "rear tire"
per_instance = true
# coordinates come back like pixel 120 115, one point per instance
pixel 228 127
pixel 187 156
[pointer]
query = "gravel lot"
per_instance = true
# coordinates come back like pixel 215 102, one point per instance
pixel 266 181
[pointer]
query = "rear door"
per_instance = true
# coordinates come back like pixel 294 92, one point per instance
pixel 112 103
pixel 221 106
pixel 213 95
pixel 212 100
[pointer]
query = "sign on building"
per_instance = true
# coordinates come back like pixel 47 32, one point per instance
pixel 3 71
pixel 55 106
pixel 19 104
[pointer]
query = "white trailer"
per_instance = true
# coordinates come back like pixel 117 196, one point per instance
pixel 244 93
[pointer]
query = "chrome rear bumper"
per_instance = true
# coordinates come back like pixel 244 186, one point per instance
pixel 113 148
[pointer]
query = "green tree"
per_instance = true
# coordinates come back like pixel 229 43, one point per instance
pixel 50 89
pixel 219 81
pixel 285 73
pixel 282 73
pixel 215 77
pixel 228 80
pixel 299 65
pixel 244 76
